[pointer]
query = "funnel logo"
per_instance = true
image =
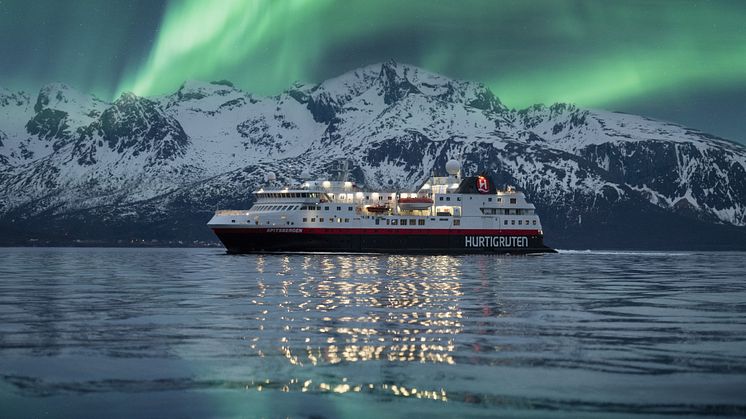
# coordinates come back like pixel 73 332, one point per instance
pixel 483 185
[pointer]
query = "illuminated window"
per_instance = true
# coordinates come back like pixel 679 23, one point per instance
pixel 394 222
pixel 457 222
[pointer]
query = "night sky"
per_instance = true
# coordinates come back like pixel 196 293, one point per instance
pixel 682 61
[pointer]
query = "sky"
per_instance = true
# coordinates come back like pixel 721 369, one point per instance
pixel 678 60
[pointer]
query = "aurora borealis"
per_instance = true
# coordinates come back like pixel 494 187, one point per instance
pixel 683 61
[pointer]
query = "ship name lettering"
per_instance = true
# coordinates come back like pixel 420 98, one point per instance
pixel 284 230
pixel 496 241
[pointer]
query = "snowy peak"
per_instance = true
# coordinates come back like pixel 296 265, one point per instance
pixel 395 85
pixel 138 125
pixel 394 122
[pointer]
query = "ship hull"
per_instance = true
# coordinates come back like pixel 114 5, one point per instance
pixel 272 240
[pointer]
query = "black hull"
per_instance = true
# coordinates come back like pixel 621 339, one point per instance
pixel 247 241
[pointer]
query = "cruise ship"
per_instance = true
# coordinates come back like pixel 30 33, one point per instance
pixel 447 215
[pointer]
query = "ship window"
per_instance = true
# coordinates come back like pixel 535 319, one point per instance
pixel 499 200
pixel 313 220
pixel 349 208
pixel 378 221
pixel 389 198
pixel 321 220
pixel 506 222
pixel 421 222
pixel 412 222
pixel 489 199
pixel 448 198
pixel 526 222
pixel 432 219
pixel 440 198
pixel 326 208
pixel 512 200
pixel 387 222
pixel 305 220
pixel 520 222
pixel 459 198
pixel 367 198
pixel 380 198
pixel 347 220
pixel 456 222
pixel 394 222
pixel 339 208
pixel 233 221
pixel 512 222
pixel 507 212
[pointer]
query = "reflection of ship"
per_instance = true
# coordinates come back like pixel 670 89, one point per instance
pixel 448 214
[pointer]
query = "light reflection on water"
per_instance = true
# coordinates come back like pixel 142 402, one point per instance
pixel 199 333
pixel 326 310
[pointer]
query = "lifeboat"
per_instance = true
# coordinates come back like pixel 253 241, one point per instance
pixel 416 203
pixel 377 209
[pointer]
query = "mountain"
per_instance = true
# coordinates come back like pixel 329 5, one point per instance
pixel 73 167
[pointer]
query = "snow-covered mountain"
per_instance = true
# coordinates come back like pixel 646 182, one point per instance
pixel 75 167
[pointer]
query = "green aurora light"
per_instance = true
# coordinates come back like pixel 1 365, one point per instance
pixel 679 60
pixel 586 52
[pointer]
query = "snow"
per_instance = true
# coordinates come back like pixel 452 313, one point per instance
pixel 545 149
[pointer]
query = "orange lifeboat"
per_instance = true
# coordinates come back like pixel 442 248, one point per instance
pixel 416 203
pixel 377 209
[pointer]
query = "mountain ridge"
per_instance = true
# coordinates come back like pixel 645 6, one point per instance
pixel 208 143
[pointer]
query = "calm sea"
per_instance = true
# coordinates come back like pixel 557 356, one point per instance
pixel 124 333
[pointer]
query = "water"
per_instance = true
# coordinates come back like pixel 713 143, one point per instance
pixel 197 333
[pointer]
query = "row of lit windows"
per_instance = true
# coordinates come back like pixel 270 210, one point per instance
pixel 520 222
pixel 495 211
pixel 396 221
pixel 294 207
pixel 275 207
pixel 330 220
pixel 458 198
pixel 289 195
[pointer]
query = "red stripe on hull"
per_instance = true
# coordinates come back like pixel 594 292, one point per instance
pixel 376 231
